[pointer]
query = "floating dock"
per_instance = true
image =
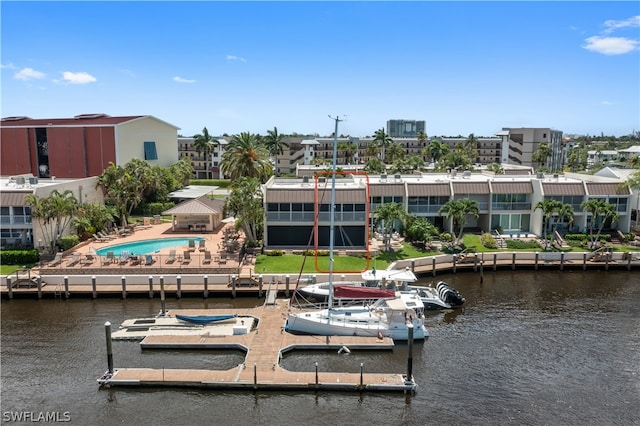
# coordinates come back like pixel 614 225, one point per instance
pixel 264 345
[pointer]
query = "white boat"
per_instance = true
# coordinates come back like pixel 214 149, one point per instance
pixel 443 296
pixel 394 315
pixel 386 317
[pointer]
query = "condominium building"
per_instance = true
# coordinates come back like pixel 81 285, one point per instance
pixel 519 144
pixel 405 128
pixel 204 166
pixel 506 202
pixel 84 145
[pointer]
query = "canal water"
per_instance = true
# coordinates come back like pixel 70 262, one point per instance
pixel 534 348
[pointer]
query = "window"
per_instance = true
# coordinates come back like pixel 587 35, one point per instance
pixel 150 152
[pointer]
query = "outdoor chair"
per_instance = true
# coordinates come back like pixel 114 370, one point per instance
pixel 149 260
pixel 100 239
pixel 56 261
pixel 172 257
pixel 207 257
pixel 74 259
pixel 110 257
pixel 201 245
pixel 186 259
pixel 192 245
pixel 223 258
pixel 88 260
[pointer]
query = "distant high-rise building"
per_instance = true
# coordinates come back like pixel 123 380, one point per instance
pixel 405 128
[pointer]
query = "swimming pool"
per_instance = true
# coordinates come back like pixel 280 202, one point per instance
pixel 146 246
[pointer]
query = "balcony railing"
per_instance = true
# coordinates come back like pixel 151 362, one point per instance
pixel 15 220
pixel 511 206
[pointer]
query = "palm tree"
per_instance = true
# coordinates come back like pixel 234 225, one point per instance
pixel 457 210
pixel 349 149
pixel 471 147
pixel 54 214
pixel 541 154
pixel 275 144
pixel 246 156
pixel 548 207
pixel 203 144
pixel 566 212
pixel 422 138
pixel 388 214
pixel 635 162
pixel 495 168
pixel 383 141
pixel 435 150
pixel 415 162
pixel 374 166
pixel 601 212
pixel 372 150
pixel 245 203
pixel 394 153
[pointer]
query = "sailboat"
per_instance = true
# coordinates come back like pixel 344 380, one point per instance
pixel 393 314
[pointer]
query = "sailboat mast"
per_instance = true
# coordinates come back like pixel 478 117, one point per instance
pixel 332 209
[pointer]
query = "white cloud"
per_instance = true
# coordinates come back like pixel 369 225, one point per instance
pixel 231 58
pixel 182 80
pixel 611 45
pixel 8 66
pixel 612 25
pixel 606 103
pixel 78 77
pixel 29 74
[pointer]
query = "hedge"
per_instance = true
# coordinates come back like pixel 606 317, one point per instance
pixel 19 257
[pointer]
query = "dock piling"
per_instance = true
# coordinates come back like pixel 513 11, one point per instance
pixel 150 287
pixel 206 286
pixel 124 286
pixel 433 266
pixel 260 281
pixel 66 287
pixel 561 260
pixel 536 262
pixel 255 375
pixel 495 261
pixel 481 272
pixel 233 286
pixel 513 261
pixel 361 375
pixel 178 287
pixel 455 258
pixel 9 288
pixel 287 279
pixel 162 295
pixel 94 288
pixel 410 354
pixel 317 375
pixel 39 284
pixel 107 331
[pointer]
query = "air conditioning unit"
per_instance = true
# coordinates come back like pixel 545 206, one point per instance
pixel 33 181
pixel 397 177
pixel 383 177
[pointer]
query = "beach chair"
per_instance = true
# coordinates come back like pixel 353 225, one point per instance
pixel 223 258
pixel 124 257
pixel 201 245
pixel 172 257
pixel 110 258
pixel 100 239
pixel 74 259
pixel 106 236
pixel 192 245
pixel 148 260
pixel 88 260
pixel 186 259
pixel 56 261
pixel 207 257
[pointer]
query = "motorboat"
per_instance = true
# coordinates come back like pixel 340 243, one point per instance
pixel 442 296
pixel 391 315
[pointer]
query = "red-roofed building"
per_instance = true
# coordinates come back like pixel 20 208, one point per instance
pixel 84 145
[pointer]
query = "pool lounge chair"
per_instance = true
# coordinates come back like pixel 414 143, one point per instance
pixel 100 239
pixel 74 259
pixel 201 245
pixel 110 258
pixel 88 260
pixel 207 257
pixel 172 257
pixel 148 260
pixel 186 259
pixel 56 261
pixel 192 245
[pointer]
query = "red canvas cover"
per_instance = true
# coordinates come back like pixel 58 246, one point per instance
pixel 351 292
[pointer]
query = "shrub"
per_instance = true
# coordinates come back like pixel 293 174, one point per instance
pixel 488 241
pixel 519 244
pixel 445 236
pixel 276 252
pixel 19 257
pixel 68 241
pixel 157 208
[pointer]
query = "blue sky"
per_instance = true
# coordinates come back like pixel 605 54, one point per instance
pixel 463 67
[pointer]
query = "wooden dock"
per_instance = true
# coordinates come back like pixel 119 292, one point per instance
pixel 261 369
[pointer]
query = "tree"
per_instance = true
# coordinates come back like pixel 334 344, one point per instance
pixel 495 168
pixel 246 156
pixel 457 210
pixel 415 162
pixel 422 138
pixel 349 149
pixel 388 214
pixel 635 162
pixel 565 211
pixel 203 144
pixel 91 218
pixel 54 214
pixel 419 229
pixel 471 147
pixel 245 203
pixel 372 150
pixel 577 158
pixel 122 189
pixel 275 144
pixel 435 150
pixel 374 166
pixel 395 152
pixel 548 207
pixel 400 166
pixel 383 141
pixel 541 154
pixel 600 212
